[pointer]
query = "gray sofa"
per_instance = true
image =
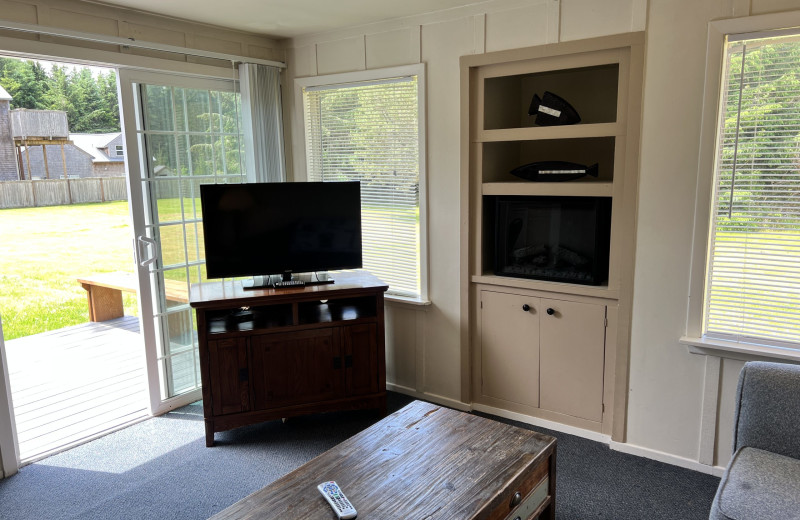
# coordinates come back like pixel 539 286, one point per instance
pixel 763 477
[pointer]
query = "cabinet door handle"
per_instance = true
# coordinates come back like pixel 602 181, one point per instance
pixel 526 307
pixel 243 375
pixel 348 361
pixel 337 363
pixel 550 311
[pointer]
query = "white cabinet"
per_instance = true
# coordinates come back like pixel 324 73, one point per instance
pixel 542 353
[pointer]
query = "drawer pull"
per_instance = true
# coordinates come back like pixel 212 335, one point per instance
pixel 526 307
pixel 551 311
pixel 516 499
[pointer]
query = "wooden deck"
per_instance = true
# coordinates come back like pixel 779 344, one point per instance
pixel 75 384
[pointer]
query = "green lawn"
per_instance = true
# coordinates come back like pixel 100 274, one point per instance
pixel 44 250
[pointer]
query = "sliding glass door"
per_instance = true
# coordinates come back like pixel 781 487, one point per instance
pixel 187 133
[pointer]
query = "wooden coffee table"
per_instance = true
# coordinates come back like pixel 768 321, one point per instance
pixel 422 462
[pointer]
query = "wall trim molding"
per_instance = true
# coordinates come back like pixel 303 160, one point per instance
pixel 660 456
pixel 433 398
pixel 544 423
pixel 480 8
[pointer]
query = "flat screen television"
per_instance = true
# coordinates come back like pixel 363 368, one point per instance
pixel 280 228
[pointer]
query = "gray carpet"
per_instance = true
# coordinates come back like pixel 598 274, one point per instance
pixel 161 469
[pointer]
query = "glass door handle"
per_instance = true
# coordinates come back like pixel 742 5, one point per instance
pixel 142 243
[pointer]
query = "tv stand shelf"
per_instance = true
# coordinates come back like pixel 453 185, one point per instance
pixel 276 353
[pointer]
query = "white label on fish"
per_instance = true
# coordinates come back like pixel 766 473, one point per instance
pixel 544 172
pixel 550 111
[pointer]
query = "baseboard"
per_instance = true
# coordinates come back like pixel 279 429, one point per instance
pixel 667 458
pixel 543 423
pixel 630 449
pixel 438 399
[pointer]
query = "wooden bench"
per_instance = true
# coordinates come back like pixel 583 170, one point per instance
pixel 104 292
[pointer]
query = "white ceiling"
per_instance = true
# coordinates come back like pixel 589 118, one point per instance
pixel 289 18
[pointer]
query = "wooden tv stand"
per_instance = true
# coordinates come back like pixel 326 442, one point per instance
pixel 276 353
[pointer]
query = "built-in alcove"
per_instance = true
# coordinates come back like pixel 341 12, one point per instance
pixel 592 92
pixel 499 158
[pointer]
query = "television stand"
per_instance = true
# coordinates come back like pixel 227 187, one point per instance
pixel 276 353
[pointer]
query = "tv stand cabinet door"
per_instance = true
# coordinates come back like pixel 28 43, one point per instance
pixel 295 368
pixel 230 389
pixel 361 359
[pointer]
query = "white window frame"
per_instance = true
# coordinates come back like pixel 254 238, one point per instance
pixel 762 26
pixel 119 150
pixel 300 173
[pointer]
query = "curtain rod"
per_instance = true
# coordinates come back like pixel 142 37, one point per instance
pixel 130 42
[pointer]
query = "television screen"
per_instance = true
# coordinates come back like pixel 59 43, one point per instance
pixel 271 228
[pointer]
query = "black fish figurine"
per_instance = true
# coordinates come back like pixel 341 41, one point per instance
pixel 554 171
pixel 552 110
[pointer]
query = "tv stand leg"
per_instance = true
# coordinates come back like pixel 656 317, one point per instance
pixel 209 434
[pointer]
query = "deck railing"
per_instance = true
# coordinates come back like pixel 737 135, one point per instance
pixel 39 124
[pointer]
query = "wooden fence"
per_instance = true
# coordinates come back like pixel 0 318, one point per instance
pixel 58 192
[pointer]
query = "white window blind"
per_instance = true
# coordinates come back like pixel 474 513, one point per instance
pixel 369 132
pixel 753 276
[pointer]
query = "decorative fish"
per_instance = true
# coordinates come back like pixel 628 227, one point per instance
pixel 554 171
pixel 552 110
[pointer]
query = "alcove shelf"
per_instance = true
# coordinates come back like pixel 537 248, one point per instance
pixel 572 189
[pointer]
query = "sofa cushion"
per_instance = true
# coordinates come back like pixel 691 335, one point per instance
pixel 758 485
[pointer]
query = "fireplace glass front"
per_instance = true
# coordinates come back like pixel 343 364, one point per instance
pixel 562 239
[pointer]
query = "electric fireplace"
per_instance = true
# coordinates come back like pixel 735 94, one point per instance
pixel 561 239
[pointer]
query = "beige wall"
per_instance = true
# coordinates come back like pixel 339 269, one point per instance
pixel 424 344
pixel 666 381
pixel 124 23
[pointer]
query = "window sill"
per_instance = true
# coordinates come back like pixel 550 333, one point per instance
pixel 406 300
pixel 735 350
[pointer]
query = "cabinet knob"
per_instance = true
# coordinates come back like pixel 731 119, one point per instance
pixel 516 499
pixel 550 311
pixel 526 307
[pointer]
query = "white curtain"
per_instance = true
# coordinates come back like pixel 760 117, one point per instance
pixel 262 122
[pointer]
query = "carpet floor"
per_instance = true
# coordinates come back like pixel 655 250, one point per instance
pixel 161 469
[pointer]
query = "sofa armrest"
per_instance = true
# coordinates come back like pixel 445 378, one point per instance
pixel 767 412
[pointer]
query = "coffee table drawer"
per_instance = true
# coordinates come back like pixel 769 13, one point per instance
pixel 525 495
pixel 532 503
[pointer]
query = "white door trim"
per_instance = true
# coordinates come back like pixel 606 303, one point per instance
pixel 9 448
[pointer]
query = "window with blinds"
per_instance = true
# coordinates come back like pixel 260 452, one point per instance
pixel 370 132
pixel 753 273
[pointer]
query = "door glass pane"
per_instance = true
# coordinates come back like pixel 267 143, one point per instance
pixel 172 245
pixel 157 110
pixel 162 156
pixel 191 137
